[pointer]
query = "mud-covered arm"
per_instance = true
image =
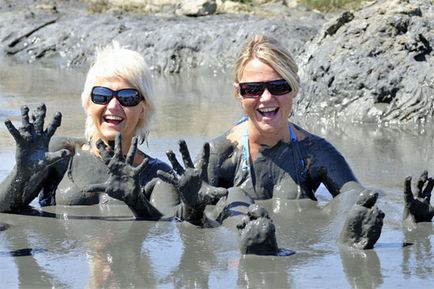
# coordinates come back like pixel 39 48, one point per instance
pixel 57 171
pixel 26 179
pixel 222 163
pixel 326 165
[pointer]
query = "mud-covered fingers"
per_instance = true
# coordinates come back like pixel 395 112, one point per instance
pixel 204 161
pixel 95 188
pixel 174 161
pixel 25 117
pixel 256 212
pixel 118 147
pixel 54 124
pixel 38 118
pixel 106 155
pixel 52 157
pixel 242 224
pixel 408 195
pixel 167 177
pixel 13 131
pixel 428 189
pixel 421 182
pixel 183 149
pixel 137 170
pixel 132 151
pixel 217 192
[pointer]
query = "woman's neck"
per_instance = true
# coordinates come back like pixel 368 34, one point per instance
pixel 259 138
pixel 111 145
pixel 268 139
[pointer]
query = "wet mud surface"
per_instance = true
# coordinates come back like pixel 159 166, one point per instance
pixel 100 246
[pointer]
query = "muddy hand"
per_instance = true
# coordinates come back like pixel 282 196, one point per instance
pixel 191 182
pixel 257 232
pixel 33 141
pixel 124 179
pixel 364 222
pixel 419 206
pixel 316 176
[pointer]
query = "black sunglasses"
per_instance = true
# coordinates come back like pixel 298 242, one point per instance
pixel 255 89
pixel 126 97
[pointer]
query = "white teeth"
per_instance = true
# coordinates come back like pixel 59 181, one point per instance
pixel 267 109
pixel 113 117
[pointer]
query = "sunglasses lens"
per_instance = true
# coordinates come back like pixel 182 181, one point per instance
pixel 251 89
pixel 101 95
pixel 278 87
pixel 129 97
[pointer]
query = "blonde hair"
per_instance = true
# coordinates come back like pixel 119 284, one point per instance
pixel 271 52
pixel 114 62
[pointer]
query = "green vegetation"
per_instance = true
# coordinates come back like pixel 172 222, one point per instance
pixel 331 5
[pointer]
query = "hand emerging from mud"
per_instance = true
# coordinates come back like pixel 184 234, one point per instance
pixel 195 192
pixel 32 140
pixel 257 232
pixel 364 222
pixel 124 179
pixel 418 207
pixel 317 175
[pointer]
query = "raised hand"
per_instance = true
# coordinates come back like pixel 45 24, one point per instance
pixel 196 193
pixel 317 175
pixel 32 140
pixel 257 232
pixel 418 206
pixel 26 179
pixel 362 227
pixel 124 178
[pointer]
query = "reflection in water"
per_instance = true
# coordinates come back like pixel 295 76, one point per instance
pixel 362 268
pixel 417 259
pixel 112 251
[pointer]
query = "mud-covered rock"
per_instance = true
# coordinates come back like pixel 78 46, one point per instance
pixel 67 34
pixel 372 65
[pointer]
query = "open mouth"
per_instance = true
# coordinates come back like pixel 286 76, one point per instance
pixel 268 111
pixel 113 119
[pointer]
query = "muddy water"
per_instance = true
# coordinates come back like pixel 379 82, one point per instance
pixel 85 247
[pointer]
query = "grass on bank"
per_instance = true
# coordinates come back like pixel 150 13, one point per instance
pixel 331 5
pixel 321 5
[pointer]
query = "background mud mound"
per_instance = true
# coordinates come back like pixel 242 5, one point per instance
pixel 66 33
pixel 372 65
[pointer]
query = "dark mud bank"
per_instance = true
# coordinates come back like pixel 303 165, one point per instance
pixel 370 65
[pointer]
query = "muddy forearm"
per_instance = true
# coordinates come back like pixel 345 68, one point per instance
pixel 20 188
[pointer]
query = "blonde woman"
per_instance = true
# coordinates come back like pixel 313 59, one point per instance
pixel 265 155
pixel 119 103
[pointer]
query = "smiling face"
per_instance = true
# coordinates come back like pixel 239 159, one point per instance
pixel 268 114
pixel 112 117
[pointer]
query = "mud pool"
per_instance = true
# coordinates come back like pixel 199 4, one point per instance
pixel 95 247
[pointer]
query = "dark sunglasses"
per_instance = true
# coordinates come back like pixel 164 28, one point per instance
pixel 255 89
pixel 126 97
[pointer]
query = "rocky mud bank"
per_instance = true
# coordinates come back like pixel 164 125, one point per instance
pixel 373 64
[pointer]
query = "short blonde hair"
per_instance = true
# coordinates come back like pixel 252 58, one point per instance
pixel 114 62
pixel 271 52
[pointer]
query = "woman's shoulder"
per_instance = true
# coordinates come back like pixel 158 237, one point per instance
pixel 63 142
pixel 231 139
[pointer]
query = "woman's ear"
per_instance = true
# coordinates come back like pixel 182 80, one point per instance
pixel 237 91
pixel 86 106
pixel 142 110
